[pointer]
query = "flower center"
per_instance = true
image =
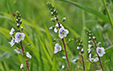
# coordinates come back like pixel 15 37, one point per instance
pixel 19 36
pixel 13 40
pixel 99 51
pixel 62 32
pixel 58 48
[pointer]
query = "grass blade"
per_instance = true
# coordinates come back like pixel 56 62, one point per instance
pixel 87 9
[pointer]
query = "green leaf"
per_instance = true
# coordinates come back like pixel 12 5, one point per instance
pixel 6 49
pixel 110 19
pixel 45 51
pixel 87 9
pixel 109 49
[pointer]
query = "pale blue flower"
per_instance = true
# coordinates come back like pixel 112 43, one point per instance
pixel 63 32
pixel 57 48
pixel 19 37
pixel 100 51
pixel 12 42
pixel 95 59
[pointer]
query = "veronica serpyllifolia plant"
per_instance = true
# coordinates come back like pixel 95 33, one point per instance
pixel 93 46
pixel 81 50
pixel 59 28
pixel 17 38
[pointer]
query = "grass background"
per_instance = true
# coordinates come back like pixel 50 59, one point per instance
pixel 36 22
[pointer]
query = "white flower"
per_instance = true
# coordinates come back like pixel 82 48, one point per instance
pixel 55 30
pixel 89 50
pixel 78 47
pixel 64 18
pixel 28 55
pixel 17 50
pixel 21 66
pixel 90 58
pixel 95 59
pixel 51 27
pixel 12 42
pixel 57 48
pixel 12 31
pixel 64 57
pixel 62 67
pixel 56 27
pixel 74 60
pixel 89 45
pixel 19 37
pixel 82 49
pixel 63 32
pixel 100 51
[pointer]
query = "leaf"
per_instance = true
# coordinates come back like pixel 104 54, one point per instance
pixel 109 49
pixel 6 49
pixel 110 19
pixel 87 9
pixel 46 53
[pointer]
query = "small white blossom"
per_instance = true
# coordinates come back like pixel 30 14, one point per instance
pixel 55 30
pixel 89 41
pixel 51 27
pixel 62 67
pixel 78 47
pixel 12 42
pixel 57 48
pixel 100 51
pixel 89 45
pixel 19 37
pixel 63 32
pixel 89 50
pixel 21 66
pixel 74 60
pixel 12 31
pixel 91 59
pixel 82 49
pixel 56 27
pixel 17 50
pixel 95 59
pixel 28 55
pixel 64 57
pixel 21 27
pixel 18 24
pixel 89 37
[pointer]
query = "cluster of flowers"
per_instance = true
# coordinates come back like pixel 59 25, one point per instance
pixel 18 36
pixel 79 45
pixel 91 44
pixel 58 28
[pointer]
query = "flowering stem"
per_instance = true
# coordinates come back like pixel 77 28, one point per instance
pixel 66 54
pixel 98 55
pixel 83 62
pixel 63 45
pixel 23 54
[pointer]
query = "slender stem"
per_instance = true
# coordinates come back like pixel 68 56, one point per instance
pixel 66 54
pixel 23 54
pixel 63 44
pixel 83 62
pixel 98 55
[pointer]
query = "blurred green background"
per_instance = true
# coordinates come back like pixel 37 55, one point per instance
pixel 36 22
